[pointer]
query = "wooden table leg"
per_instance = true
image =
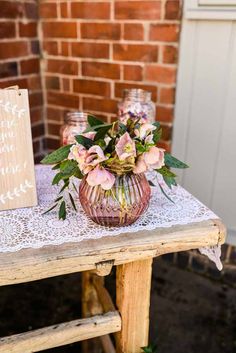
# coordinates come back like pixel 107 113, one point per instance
pixel 133 286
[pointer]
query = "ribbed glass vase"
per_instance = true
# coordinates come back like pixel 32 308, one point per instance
pixel 120 206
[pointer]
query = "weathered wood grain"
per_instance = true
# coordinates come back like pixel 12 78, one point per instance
pixel 61 334
pixel 133 288
pixel 33 264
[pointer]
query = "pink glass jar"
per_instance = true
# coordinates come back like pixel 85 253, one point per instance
pixel 137 103
pixel 120 206
pixel 75 124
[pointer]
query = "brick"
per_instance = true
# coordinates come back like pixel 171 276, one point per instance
pixel 36 146
pixel 53 129
pixel 100 105
pixel 52 82
pixel 133 31
pixel 92 87
pixel 90 50
pixel 90 10
pixel 166 132
pixel 21 82
pixel 8 69
pixel 135 52
pixel 34 82
pixel 7 30
pixel 172 10
pixel 35 99
pixel 119 88
pixel 29 66
pixel 160 74
pixel 170 54
pixel 60 29
pixel 12 9
pixel 65 84
pixel 66 67
pixel 48 9
pixel 64 9
pixel 110 31
pixel 129 10
pixel 38 130
pixel 106 70
pixel 34 46
pixel 55 114
pixel 50 47
pixel 28 29
pixel 164 32
pixel 31 10
pixel 167 95
pixel 13 49
pixel 63 99
pixel 36 115
pixel 51 143
pixel 64 50
pixel 165 114
pixel 133 73
pixel 166 145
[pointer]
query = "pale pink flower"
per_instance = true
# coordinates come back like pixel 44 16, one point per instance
pixel 101 176
pixel 90 135
pixel 77 152
pixel 125 147
pixel 95 155
pixel 144 130
pixel 154 158
pixel 140 166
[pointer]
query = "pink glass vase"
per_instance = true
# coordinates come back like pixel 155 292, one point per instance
pixel 120 206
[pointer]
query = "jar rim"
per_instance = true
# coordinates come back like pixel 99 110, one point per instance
pixel 137 93
pixel 76 116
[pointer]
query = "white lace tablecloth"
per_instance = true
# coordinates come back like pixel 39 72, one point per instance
pixel 28 228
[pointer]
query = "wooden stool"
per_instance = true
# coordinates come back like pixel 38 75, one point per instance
pixel 132 254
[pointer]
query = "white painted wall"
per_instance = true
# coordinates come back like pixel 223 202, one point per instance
pixel 205 114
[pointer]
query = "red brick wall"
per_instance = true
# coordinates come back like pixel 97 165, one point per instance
pixel 19 58
pixel 92 50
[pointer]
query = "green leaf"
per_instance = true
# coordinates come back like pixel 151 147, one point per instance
pixel 169 181
pixel 68 168
pixel 50 209
pixel 72 201
pixel 57 178
pixel 84 141
pixel 77 173
pixel 57 166
pixel 62 211
pixel 165 172
pixel 93 121
pixel 173 162
pixel 157 135
pixel 140 148
pixel 165 194
pixel 157 124
pixel 67 182
pixel 102 132
pixel 57 156
pixel 151 183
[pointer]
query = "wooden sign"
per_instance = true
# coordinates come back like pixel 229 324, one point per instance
pixel 17 179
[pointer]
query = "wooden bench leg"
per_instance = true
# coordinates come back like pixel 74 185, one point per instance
pixel 133 286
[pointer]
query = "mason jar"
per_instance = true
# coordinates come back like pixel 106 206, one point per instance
pixel 75 124
pixel 136 104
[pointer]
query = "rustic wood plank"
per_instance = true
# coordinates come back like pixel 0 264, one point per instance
pixel 61 334
pixel 33 264
pixel 133 287
pixel 103 296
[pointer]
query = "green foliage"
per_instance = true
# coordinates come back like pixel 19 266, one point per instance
pixel 62 211
pixel 173 162
pixel 152 348
pixel 165 172
pixel 84 141
pixel 165 194
pixel 93 121
pixel 102 131
pixel 157 135
pixel 57 156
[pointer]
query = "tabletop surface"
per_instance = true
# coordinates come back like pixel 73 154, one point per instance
pixel 34 264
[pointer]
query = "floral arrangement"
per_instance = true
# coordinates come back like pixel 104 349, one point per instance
pixel 105 151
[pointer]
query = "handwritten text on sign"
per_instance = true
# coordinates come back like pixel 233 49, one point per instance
pixel 17 181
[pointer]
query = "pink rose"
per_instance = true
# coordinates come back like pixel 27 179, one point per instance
pixel 155 158
pixel 125 147
pixel 101 176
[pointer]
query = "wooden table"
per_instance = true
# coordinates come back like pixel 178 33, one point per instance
pixel 132 254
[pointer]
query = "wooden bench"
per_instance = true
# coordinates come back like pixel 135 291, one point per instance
pixel 132 254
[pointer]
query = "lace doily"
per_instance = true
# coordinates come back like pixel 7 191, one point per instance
pixel 28 228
